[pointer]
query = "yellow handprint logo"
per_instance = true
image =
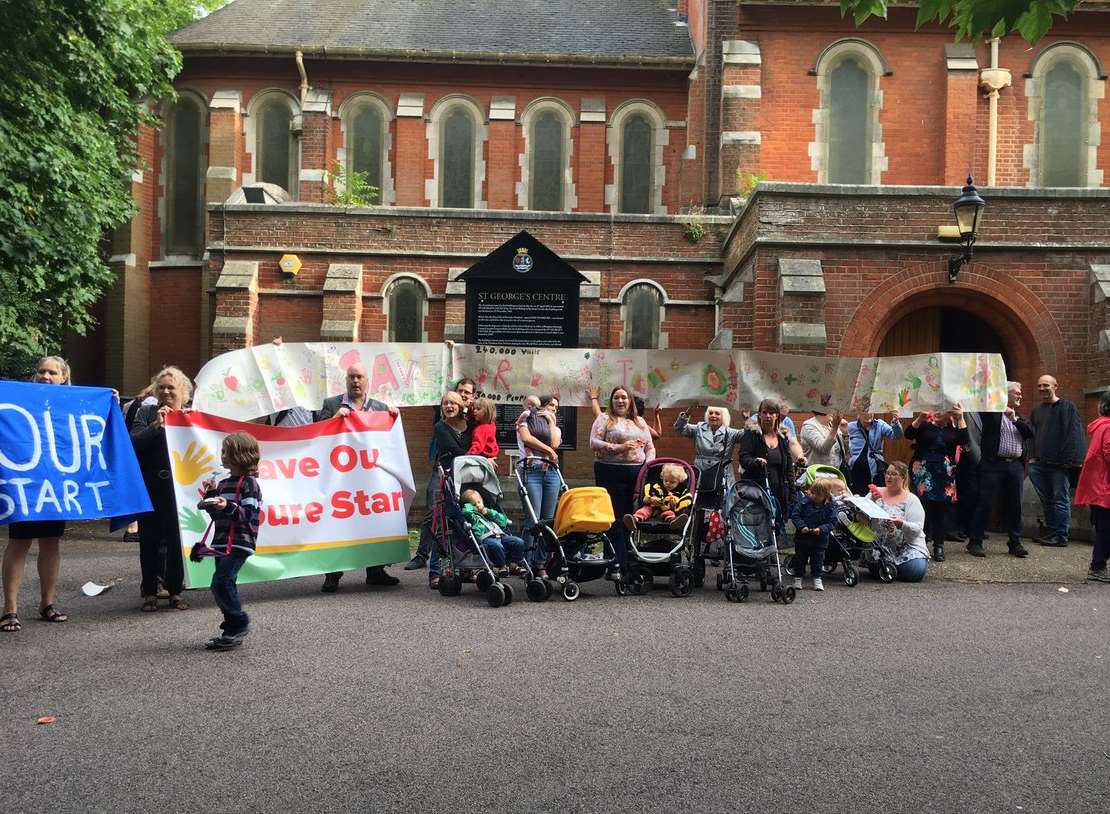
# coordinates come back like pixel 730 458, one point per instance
pixel 196 462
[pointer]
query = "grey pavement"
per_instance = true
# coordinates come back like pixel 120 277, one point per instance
pixel 943 696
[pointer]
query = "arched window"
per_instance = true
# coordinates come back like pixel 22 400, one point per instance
pixel 406 303
pixel 276 149
pixel 184 183
pixel 457 158
pixel 366 144
pixel 1063 127
pixel 849 117
pixel 642 311
pixel 548 161
pixel 1066 84
pixel 637 164
pixel 848 146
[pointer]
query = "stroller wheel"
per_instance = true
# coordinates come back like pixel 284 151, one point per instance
pixel 537 590
pixel 450 585
pixel 776 592
pixel 720 582
pixel 730 593
pixel 790 567
pixel 742 592
pixel 828 567
pixel 484 580
pixel 620 587
pixel 763 584
pixel 639 580
pixel 851 576
pixel 547 589
pixel 788 594
pixel 496 595
pixel 887 571
pixel 682 582
pixel 571 591
pixel 508 593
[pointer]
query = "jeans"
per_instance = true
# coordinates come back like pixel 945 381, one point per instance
pixel 1054 490
pixel 913 570
pixel 542 484
pixel 810 548
pixel 999 477
pixel 226 593
pixel 619 480
pixel 504 549
pixel 1100 517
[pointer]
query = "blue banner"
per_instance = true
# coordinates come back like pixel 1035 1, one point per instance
pixel 65 455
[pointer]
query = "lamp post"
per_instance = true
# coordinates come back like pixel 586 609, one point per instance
pixel 968 207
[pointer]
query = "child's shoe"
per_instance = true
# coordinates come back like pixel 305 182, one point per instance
pixel 630 522
pixel 818 584
pixel 797 583
pixel 224 642
pixel 502 572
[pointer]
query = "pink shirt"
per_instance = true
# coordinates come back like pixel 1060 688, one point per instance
pixel 605 440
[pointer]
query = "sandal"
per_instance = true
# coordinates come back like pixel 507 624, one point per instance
pixel 9 623
pixel 52 614
pixel 433 583
pixel 150 604
pixel 177 603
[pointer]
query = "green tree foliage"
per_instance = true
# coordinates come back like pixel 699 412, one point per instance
pixel 76 76
pixel 976 19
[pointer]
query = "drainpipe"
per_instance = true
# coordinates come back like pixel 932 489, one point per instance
pixel 992 80
pixel 304 77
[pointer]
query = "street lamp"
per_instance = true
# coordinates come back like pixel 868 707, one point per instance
pixel 968 207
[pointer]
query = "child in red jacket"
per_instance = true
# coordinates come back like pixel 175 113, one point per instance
pixel 484 435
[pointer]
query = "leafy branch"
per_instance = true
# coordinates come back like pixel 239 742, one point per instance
pixel 975 19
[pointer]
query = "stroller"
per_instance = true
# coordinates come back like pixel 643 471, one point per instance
pixel 858 542
pixel 752 545
pixel 657 549
pixel 465 556
pixel 578 549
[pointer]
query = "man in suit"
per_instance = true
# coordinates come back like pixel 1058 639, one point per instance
pixel 1002 472
pixel 355 399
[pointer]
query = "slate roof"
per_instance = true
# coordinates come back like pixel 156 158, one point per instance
pixel 612 32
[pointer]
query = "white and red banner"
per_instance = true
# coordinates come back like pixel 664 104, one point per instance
pixel 335 494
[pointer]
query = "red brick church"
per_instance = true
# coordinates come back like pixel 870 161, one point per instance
pixel 629 138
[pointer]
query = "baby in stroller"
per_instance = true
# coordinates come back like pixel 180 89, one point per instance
pixel 667 499
pixel 490 527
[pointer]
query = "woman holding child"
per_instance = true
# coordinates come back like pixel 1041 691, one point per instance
pixel 538 438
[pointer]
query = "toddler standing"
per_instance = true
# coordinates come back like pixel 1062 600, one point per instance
pixel 234 504
pixel 814 516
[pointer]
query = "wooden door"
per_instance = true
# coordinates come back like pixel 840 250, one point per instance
pixel 918 332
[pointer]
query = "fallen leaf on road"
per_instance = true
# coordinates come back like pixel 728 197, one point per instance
pixel 46 719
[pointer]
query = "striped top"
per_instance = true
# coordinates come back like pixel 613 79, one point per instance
pixel 239 518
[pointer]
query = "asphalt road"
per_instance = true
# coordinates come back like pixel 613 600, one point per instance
pixel 936 697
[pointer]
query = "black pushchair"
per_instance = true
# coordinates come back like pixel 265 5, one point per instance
pixel 751 544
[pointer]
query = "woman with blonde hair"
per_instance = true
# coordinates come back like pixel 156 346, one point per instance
pixel 159 533
pixel 49 370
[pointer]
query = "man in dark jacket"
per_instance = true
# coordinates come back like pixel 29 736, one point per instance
pixel 354 400
pixel 1058 451
pixel 1001 472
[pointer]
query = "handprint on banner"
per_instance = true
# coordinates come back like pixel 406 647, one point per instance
pixel 196 462
pixel 194 521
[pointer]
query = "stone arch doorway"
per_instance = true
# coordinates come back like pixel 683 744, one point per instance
pixel 927 328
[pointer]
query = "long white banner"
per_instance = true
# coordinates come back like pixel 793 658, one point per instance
pixel 257 381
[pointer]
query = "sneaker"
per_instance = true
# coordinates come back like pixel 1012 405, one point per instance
pixel 975 549
pixel 1055 541
pixel 1098 575
pixel 223 643
pixel 416 563
pixel 797 583
pixel 818 584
